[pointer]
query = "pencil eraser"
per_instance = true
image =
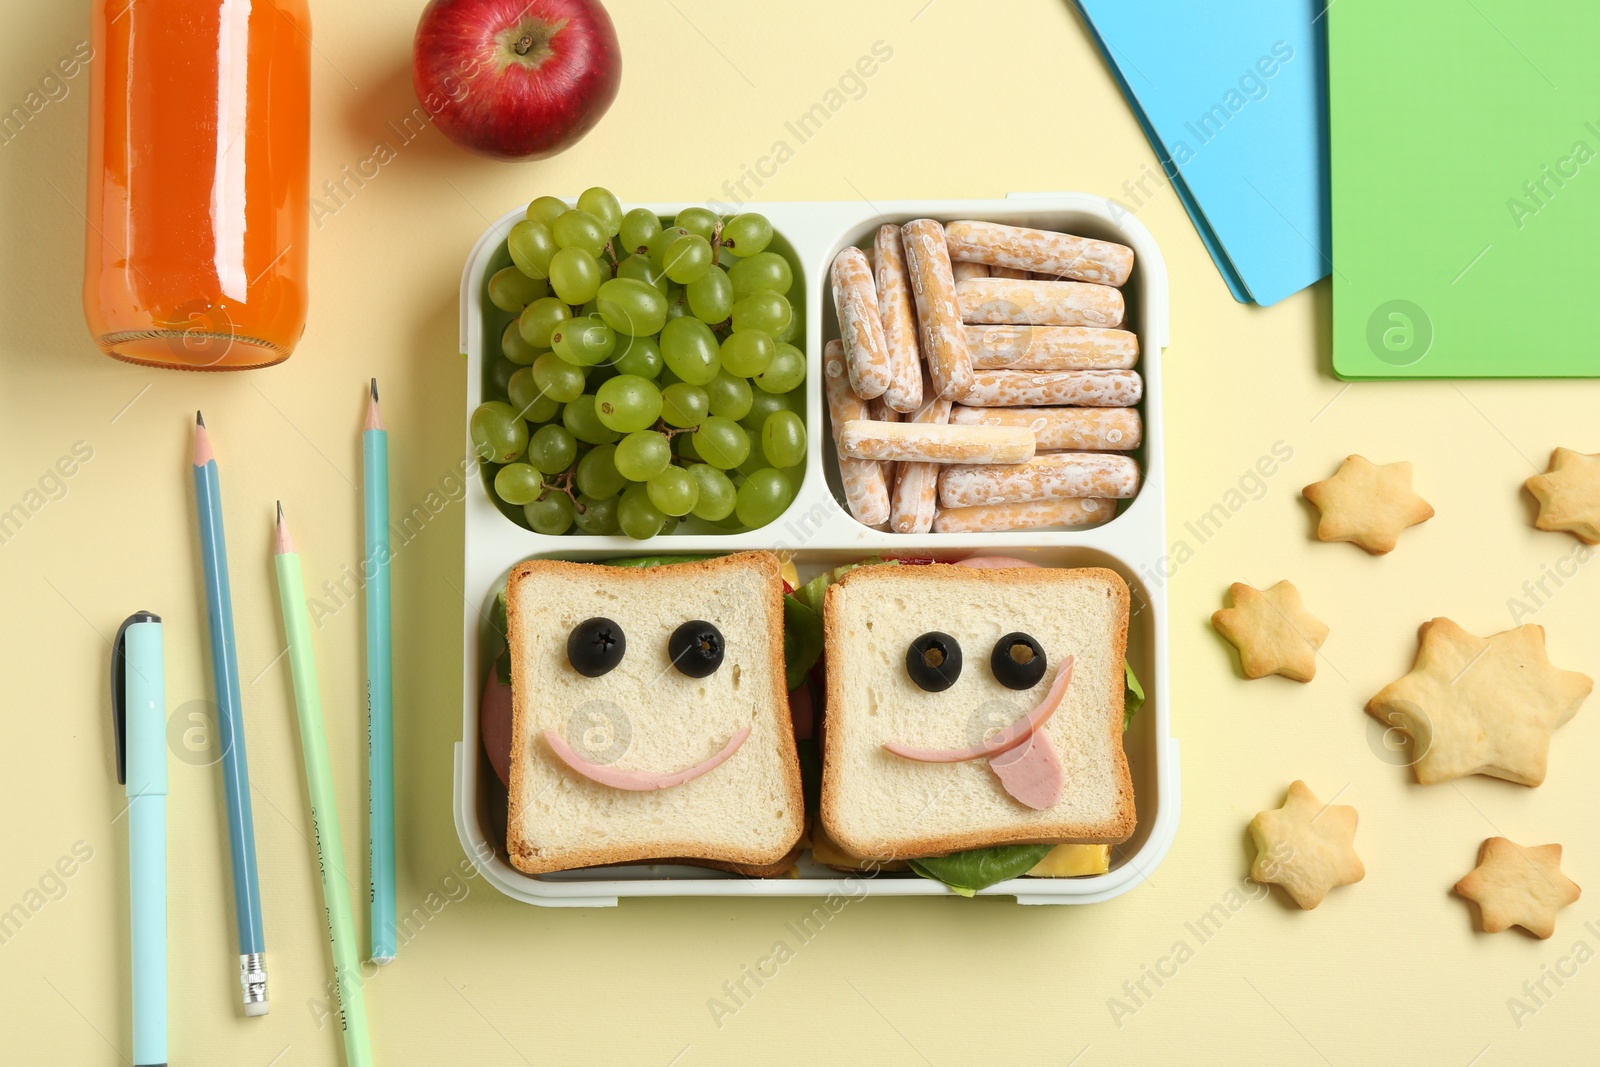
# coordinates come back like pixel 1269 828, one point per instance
pixel 258 1007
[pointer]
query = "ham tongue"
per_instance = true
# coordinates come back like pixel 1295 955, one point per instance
pixel 1032 772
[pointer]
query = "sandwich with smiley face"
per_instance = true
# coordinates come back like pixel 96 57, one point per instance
pixel 650 716
pixel 975 706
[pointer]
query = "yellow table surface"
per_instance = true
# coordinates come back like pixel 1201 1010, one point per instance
pixel 978 99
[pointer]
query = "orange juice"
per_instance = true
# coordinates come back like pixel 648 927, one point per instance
pixel 199 145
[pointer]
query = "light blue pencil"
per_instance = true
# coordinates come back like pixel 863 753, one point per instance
pixel 380 697
pixel 230 725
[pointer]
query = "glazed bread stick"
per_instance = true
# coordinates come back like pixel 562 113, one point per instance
pixel 1083 388
pixel 1054 476
pixel 989 301
pixel 961 271
pixel 1064 429
pixel 1062 254
pixel 865 490
pixel 1051 348
pixel 944 342
pixel 904 393
pixel 916 442
pixel 993 518
pixel 855 298
pixel 915 496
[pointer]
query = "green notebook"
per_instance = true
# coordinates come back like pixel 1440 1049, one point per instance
pixel 1465 146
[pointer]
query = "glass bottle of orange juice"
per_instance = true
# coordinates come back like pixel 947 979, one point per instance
pixel 199 145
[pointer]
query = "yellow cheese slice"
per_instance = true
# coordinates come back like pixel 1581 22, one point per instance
pixel 1073 861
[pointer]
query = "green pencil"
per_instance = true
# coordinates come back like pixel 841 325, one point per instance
pixel 324 810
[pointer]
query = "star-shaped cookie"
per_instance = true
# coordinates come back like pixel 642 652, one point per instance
pixel 1569 495
pixel 1476 705
pixel 1273 632
pixel 1517 886
pixel 1306 846
pixel 1367 504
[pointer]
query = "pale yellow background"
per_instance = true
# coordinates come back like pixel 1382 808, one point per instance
pixel 980 99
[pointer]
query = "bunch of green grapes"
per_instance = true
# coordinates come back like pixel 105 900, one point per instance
pixel 650 372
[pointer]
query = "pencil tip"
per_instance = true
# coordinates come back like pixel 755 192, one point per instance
pixel 280 511
pixel 374 388
pixel 200 420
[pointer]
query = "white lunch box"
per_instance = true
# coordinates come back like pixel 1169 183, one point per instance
pixel 819 532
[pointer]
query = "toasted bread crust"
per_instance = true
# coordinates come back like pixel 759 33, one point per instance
pixel 753 861
pixel 1113 831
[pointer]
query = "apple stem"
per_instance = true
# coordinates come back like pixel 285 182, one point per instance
pixel 524 44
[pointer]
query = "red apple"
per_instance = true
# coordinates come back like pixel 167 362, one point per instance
pixel 516 79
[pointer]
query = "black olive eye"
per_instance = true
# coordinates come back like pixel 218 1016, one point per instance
pixel 696 648
pixel 595 646
pixel 1017 661
pixel 934 661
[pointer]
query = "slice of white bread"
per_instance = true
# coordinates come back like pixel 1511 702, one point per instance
pixel 748 812
pixel 877 804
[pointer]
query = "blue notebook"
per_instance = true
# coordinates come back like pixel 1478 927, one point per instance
pixel 1234 100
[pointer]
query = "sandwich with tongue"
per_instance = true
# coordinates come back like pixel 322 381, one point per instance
pixel 975 715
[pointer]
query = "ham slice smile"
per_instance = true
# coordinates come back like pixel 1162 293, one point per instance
pixel 1004 741
pixel 639 781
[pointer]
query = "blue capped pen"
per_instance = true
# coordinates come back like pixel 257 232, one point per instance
pixel 138 700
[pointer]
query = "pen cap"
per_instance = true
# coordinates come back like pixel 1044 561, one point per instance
pixel 138 704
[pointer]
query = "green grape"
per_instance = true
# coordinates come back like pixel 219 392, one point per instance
pixel 637 355
pixel 756 461
pixel 627 403
pixel 551 514
pixel 514 348
pixel 783 439
pixel 546 209
pixel 640 269
pixel 575 275
pixel 716 492
pixel 765 311
pixel 558 379
pixel 721 442
pixel 762 497
pixel 697 220
pixel 531 245
pixel 764 270
pixel 579 419
pixel 552 449
pixel 579 229
pixel 667 377
pixel 512 290
pixel 791 329
pixel 522 390
pixel 540 318
pixel 541 410
pixel 632 307
pixel 500 375
pixel 711 296
pixel 638 517
pixel 762 404
pixel 668 526
pixel 747 234
pixel 685 259
pixel 498 434
pixel 730 395
pixel 684 405
pixel 683 444
pixel 517 483
pixel 690 350
pixel 602 205
pixel 656 247
pixel 596 516
pixel 584 341
pixel 597 472
pixel 638 226
pixel 673 492
pixel 748 353
pixel 786 371
pixel 642 455
pixel 677 302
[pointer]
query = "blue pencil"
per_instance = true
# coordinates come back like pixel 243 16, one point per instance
pixel 230 725
pixel 380 699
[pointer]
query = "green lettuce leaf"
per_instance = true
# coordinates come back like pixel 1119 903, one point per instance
pixel 815 591
pixel 980 868
pixel 656 561
pixel 1132 695
pixel 802 640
